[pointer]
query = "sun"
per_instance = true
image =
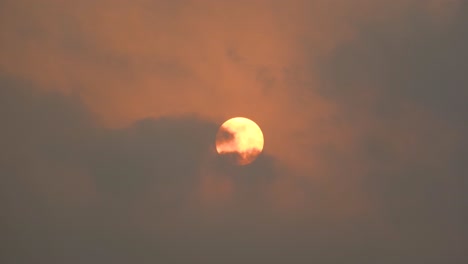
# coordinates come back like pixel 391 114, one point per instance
pixel 241 139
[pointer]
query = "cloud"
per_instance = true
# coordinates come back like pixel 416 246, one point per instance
pixel 70 186
pixel 110 109
pixel 76 191
pixel 215 59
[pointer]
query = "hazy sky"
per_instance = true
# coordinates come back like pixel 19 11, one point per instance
pixel 110 108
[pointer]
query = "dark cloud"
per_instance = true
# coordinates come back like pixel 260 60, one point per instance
pixel 406 61
pixel 402 86
pixel 73 191
pixel 224 135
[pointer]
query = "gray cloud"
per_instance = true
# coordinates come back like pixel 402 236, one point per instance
pixel 407 60
pixel 71 190
pixel 402 86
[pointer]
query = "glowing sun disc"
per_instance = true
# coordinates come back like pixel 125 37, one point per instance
pixel 240 138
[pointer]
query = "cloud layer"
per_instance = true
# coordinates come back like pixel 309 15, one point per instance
pixel 110 111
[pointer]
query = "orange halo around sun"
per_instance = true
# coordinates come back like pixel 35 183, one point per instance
pixel 241 139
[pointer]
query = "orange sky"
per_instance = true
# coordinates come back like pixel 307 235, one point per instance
pixel 216 59
pixel 360 104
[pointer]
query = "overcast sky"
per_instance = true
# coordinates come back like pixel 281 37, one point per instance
pixel 110 108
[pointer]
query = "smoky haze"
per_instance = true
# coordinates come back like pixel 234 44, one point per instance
pixel 110 109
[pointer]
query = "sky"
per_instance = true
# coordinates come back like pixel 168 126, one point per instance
pixel 109 112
